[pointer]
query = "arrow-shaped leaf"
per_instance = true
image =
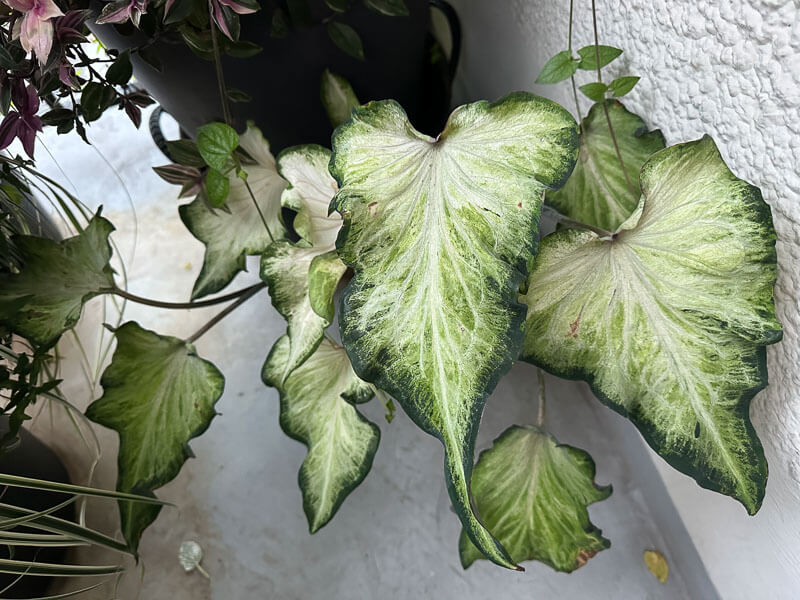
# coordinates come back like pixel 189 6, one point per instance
pixel 668 318
pixel 230 235
pixel 598 192
pixel 440 233
pixel 45 298
pixel 532 493
pixel 286 267
pixel 317 409
pixel 157 394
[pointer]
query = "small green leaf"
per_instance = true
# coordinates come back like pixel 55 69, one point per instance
pixel 236 95
pixel 668 319
pixel 121 70
pixel 231 235
pixel 594 91
pixel 346 39
pixel 560 67
pixel 287 267
pixel 598 192
pixel 217 187
pixel 317 409
pixel 324 275
pixel 622 85
pixel 589 55
pixel 390 8
pixel 46 297
pixel 157 395
pixel 440 233
pixel 532 494
pixel 185 152
pixel 216 142
pixel 338 97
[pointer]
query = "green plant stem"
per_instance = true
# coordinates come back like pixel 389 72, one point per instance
pixel 258 208
pixel 605 108
pixel 252 291
pixel 187 305
pixel 223 91
pixel 572 77
pixel 564 220
pixel 542 401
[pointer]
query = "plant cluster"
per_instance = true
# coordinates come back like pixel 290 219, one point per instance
pixel 657 290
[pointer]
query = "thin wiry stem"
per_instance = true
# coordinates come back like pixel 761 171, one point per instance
pixel 572 77
pixel 605 107
pixel 251 291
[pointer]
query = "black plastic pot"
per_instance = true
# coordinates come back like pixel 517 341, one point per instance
pixel 284 79
pixel 31 458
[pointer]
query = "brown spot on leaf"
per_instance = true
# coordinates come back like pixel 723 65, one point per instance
pixel 372 210
pixel 573 328
pixel 583 556
pixel 519 204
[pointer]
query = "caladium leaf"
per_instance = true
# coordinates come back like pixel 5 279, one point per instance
pixel 668 318
pixel 598 192
pixel 532 493
pixel 338 97
pixel 230 235
pixel 323 277
pixel 286 267
pixel 157 394
pixel 317 409
pixel 440 233
pixel 45 298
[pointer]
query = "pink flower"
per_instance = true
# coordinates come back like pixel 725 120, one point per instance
pixel 120 11
pixel 35 31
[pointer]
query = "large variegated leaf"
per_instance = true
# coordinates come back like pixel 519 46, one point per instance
pixel 232 233
pixel 45 298
pixel 157 394
pixel 532 494
pixel 668 319
pixel 317 409
pixel 440 233
pixel 286 267
pixel 597 192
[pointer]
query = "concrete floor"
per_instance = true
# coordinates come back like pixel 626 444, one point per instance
pixel 395 536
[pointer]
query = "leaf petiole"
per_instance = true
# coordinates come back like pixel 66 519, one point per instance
pixel 188 305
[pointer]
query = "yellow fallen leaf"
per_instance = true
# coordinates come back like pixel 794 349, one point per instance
pixel 657 564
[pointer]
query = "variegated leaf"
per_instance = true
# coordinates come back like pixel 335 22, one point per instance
pixel 286 267
pixel 46 297
pixel 317 409
pixel 440 233
pixel 532 494
pixel 157 394
pixel 232 233
pixel 668 318
pixel 598 192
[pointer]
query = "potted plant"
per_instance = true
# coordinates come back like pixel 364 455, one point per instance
pixel 657 290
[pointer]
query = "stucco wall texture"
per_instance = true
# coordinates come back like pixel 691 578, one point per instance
pixel 730 69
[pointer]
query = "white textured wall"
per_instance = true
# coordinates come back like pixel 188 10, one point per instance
pixel 730 69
